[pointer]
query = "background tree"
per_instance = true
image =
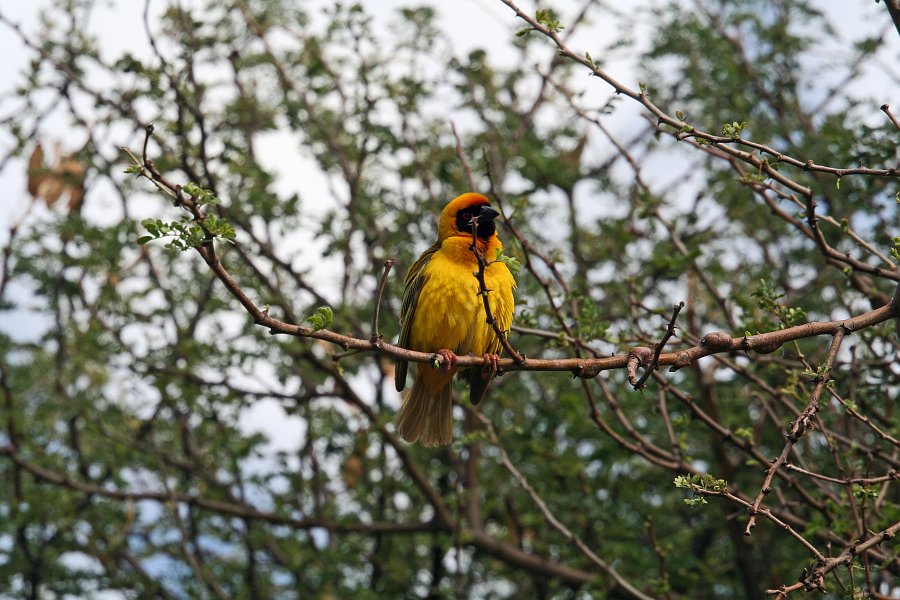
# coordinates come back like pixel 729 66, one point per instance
pixel 157 441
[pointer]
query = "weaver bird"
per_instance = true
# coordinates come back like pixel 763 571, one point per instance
pixel 443 312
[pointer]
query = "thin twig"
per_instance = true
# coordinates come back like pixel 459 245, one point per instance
pixel 670 431
pixel 551 518
pixel 892 475
pixel 814 579
pixel 376 337
pixel 484 292
pixel 657 351
pixel 764 512
pixel 661 556
pixel 887 110
pixel 173 507
pixel 799 426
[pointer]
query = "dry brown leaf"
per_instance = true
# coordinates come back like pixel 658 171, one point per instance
pixel 36 170
pixel 71 171
pixel 51 188
pixel 352 471
pixel 65 177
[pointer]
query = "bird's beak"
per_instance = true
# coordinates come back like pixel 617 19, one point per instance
pixel 488 213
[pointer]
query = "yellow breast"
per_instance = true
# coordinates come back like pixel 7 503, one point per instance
pixel 450 313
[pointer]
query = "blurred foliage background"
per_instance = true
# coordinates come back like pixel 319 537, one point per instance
pixel 154 442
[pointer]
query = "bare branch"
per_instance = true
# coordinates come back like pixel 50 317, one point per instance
pixel 800 425
pixel 657 350
pixel 376 337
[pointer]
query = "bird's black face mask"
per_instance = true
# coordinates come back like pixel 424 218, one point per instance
pixel 485 215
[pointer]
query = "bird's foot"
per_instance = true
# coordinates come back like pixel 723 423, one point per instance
pixel 448 359
pixel 491 366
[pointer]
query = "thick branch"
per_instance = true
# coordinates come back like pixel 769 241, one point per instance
pixel 893 7
pixel 474 537
pixel 713 343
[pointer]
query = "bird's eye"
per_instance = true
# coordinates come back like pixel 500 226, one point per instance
pixel 467 217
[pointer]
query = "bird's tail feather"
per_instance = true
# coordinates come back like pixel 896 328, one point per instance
pixel 425 417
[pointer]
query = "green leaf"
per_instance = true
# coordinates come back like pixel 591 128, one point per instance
pixel 547 18
pixel 862 492
pixel 321 319
pixel 511 263
pixel 744 432
pixel 733 129
pixel 191 189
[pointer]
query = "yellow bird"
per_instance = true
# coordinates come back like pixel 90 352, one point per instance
pixel 442 312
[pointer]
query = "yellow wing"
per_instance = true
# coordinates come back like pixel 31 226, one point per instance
pixel 413 284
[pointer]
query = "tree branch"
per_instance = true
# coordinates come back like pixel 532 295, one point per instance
pixel 686 130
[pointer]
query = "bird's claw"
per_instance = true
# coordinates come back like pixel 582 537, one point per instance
pixel 491 366
pixel 448 359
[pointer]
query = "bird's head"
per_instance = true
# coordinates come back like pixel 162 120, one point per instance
pixel 456 218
